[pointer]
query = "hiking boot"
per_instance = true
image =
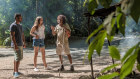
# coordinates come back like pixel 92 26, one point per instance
pixel 61 68
pixel 71 68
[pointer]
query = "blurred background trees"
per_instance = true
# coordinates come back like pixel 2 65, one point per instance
pixel 48 9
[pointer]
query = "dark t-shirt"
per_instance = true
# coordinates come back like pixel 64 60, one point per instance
pixel 17 28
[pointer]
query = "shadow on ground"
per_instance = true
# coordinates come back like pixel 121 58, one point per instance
pixel 7 55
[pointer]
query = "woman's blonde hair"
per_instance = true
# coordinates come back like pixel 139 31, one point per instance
pixel 37 22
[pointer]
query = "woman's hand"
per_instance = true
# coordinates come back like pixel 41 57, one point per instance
pixel 36 37
pixel 68 34
pixel 24 45
pixel 52 27
pixel 53 32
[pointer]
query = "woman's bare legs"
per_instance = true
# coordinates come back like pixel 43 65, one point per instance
pixel 35 55
pixel 42 49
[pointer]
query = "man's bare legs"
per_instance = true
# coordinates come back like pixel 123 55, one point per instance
pixel 16 65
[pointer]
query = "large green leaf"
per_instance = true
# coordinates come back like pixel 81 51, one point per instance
pixel 91 48
pixel 91 6
pixel 121 19
pixel 135 10
pixel 114 52
pixel 105 3
pixel 113 31
pixel 118 19
pixel 100 42
pixel 127 67
pixel 127 54
pixel 109 76
pixel 97 44
pixel 113 21
pixel 109 67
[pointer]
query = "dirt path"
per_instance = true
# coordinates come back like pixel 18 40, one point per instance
pixel 78 50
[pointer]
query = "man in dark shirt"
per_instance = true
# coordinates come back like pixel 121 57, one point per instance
pixel 18 41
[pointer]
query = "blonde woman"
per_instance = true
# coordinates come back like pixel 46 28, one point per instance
pixel 37 31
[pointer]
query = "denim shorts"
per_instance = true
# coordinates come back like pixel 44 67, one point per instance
pixel 38 43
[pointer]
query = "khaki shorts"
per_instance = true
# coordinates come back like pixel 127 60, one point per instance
pixel 60 49
pixel 19 53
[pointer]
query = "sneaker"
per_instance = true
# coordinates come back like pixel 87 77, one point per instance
pixel 35 69
pixel 61 68
pixel 16 75
pixel 71 68
pixel 48 68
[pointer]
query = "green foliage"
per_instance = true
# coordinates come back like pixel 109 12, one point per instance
pixel 128 8
pixel 135 11
pixel 91 6
pixel 109 23
pixel 105 3
pixel 128 53
pixel 27 31
pixel 114 52
pixel 131 7
pixel 113 21
pixel 138 67
pixel 109 76
pixel 127 67
pixel 7 41
pixel 97 44
pixel 138 58
pixel 109 67
pixel 110 38
pixel 100 41
pixel 86 1
pixel 30 9
pixel 121 23
pixel 7 32
pixel 128 61
pixel 94 32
